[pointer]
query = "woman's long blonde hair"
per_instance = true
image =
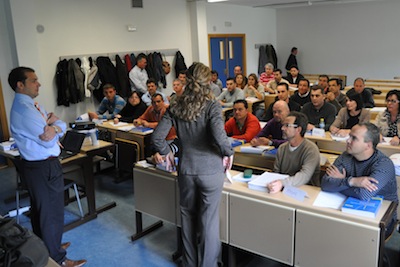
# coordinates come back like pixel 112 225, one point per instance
pixel 189 105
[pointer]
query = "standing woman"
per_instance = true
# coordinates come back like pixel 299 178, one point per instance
pixel 204 154
pixel 388 121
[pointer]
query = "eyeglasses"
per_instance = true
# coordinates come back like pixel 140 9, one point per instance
pixel 392 101
pixel 286 125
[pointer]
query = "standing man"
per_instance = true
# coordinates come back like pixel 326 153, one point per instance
pixel 37 134
pixel 318 109
pixel 111 102
pixel 243 125
pixel 298 157
pixel 138 74
pixel 359 87
pixel 363 171
pixel 302 95
pixel 151 90
pixel 292 60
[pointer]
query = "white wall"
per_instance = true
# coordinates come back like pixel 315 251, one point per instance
pixel 79 27
pixel 352 39
pixel 259 25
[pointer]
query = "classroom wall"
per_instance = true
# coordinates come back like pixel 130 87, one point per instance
pixel 353 39
pixel 88 27
pixel 259 25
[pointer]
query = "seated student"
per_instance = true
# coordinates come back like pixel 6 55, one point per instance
pixel 178 88
pixel 153 114
pixel 362 171
pixel 273 84
pixel 388 121
pixel 283 94
pixel 334 96
pixel 215 80
pixel 348 116
pixel 294 76
pixel 132 110
pixel 111 102
pixel 323 81
pixel 243 125
pixel 366 95
pixel 268 75
pixel 231 94
pixel 302 95
pixel 151 90
pixel 271 134
pixel 319 109
pixel 298 157
pixel 254 89
pixel 182 77
pixel 240 81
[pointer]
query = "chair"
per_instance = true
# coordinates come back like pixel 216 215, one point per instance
pixel 21 187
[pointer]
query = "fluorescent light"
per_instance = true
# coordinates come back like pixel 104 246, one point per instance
pixel 214 1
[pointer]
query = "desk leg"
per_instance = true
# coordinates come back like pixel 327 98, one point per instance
pixel 178 253
pixel 139 227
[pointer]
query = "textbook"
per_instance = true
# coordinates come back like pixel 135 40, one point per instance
pixel 141 129
pixel 237 142
pixel 256 149
pixel 260 183
pixel 367 208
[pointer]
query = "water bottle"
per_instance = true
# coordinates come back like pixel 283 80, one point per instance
pixel 322 123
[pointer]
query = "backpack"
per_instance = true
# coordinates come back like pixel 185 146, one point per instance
pixel 19 247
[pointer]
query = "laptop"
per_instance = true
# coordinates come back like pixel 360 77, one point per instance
pixel 72 143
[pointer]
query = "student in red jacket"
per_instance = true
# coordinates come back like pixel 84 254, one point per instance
pixel 243 125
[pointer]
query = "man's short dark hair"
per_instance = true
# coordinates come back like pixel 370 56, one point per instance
pixel 214 72
pixel 278 70
pixel 244 102
pixel 155 95
pixel 301 121
pixel 18 75
pixel 294 66
pixel 182 72
pixel 231 79
pixel 108 86
pixel 151 80
pixel 293 49
pixel 338 81
pixel 372 134
pixel 283 84
pixel 359 79
pixel 304 79
pixel 140 57
pixel 324 76
pixel 317 87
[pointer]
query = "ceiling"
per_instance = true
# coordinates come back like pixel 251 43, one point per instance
pixel 291 3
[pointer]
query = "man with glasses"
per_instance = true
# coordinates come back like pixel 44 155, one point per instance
pixel 362 171
pixel 298 157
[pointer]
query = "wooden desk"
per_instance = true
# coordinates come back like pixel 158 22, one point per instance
pixel 277 226
pixel 251 101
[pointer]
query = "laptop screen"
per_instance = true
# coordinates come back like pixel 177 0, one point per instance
pixel 73 141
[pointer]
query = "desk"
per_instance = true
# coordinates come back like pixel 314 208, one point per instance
pixel 279 227
pixel 84 161
pixel 328 145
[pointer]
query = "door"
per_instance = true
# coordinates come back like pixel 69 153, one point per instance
pixel 226 52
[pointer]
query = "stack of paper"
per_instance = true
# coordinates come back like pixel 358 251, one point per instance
pixel 141 129
pixel 366 208
pixel 7 145
pixel 261 182
pixel 255 149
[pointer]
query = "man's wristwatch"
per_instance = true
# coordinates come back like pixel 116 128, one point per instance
pixel 55 129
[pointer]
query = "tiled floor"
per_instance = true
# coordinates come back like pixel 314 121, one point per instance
pixel 105 241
